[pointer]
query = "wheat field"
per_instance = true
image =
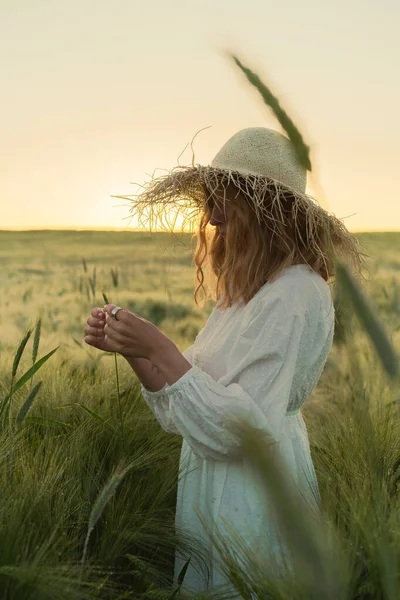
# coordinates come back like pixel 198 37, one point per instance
pixel 87 494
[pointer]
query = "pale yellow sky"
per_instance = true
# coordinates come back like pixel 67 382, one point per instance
pixel 96 95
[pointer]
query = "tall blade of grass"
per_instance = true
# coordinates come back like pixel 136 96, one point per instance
pixel 6 403
pixel 36 340
pixel 25 408
pixel 19 353
pixel 26 377
pixel 102 500
pixel 363 310
pixel 106 300
pixel 92 413
pixel 87 288
pixel 33 370
pixel 181 577
pixel 303 151
pixel 121 420
pixel 84 265
pixel 320 565
pixel 368 319
pixel 182 574
pixel 92 282
pixel 114 276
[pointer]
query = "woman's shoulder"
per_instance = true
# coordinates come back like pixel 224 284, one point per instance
pixel 302 276
pixel 297 284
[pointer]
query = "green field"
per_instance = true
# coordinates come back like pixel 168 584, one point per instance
pixel 57 459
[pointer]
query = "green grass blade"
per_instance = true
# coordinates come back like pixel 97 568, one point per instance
pixel 92 413
pixel 87 288
pixel 84 264
pixel 106 494
pixel 20 351
pixel 106 300
pixel 303 151
pixel 369 320
pixel 102 500
pixel 36 340
pixel 121 420
pixel 114 276
pixel 92 281
pixel 320 565
pixel 25 408
pixel 31 372
pixel 182 574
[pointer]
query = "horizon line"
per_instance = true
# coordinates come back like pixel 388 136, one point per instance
pixel 144 230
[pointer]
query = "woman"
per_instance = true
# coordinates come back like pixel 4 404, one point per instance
pixel 264 345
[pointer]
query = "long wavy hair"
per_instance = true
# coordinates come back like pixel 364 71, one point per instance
pixel 270 227
pixel 255 251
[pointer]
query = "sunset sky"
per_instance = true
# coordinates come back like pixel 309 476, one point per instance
pixel 98 94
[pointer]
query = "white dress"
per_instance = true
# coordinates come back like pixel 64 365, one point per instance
pixel 259 360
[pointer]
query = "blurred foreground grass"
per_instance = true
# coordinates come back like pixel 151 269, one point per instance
pixel 63 456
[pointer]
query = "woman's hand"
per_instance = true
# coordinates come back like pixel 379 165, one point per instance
pixel 130 335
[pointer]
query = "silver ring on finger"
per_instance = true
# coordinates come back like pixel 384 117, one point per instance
pixel 115 311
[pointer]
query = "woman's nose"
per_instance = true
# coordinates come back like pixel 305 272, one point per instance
pixel 217 218
pixel 214 221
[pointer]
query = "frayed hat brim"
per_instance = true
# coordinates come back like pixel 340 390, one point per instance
pixel 180 194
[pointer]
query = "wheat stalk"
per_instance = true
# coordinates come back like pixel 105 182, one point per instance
pixel 102 500
pixel 106 300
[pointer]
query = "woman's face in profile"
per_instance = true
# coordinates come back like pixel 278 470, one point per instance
pixel 219 213
pixel 218 219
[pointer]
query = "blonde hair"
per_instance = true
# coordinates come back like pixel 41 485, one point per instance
pixel 255 252
pixel 270 228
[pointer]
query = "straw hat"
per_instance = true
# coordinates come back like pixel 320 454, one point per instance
pixel 263 152
pixel 260 162
pixel 263 164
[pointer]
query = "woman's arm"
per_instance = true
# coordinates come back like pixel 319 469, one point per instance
pixel 158 402
pixel 148 373
pixel 171 363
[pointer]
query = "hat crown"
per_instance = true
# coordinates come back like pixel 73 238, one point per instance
pixel 265 152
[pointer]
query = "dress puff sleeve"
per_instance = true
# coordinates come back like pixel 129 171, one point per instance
pixel 260 367
pixel 158 402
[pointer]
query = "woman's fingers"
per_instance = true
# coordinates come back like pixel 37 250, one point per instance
pixel 122 315
pixel 92 340
pixel 96 342
pixel 95 322
pixel 97 312
pixel 113 334
pixel 94 331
